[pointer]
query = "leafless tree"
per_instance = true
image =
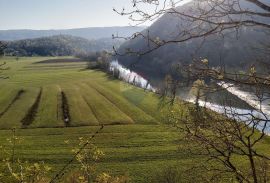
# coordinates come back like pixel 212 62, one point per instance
pixel 199 20
pixel 235 134
pixel 222 138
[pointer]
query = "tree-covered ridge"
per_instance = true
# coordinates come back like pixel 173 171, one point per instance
pixel 173 39
pixel 60 45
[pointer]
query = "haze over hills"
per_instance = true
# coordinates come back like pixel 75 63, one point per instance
pixel 87 33
pixel 235 50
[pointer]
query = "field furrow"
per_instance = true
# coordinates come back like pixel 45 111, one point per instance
pixel 9 97
pixel 32 111
pixel 12 118
pixel 90 96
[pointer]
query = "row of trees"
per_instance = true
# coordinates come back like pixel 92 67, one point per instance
pixel 96 60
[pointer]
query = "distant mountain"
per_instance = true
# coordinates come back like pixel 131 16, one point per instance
pixel 61 45
pixel 87 33
pixel 235 50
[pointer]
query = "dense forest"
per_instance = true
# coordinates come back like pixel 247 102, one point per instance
pixel 61 45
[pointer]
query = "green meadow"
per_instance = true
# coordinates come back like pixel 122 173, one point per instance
pixel 134 140
pixel 51 104
pixel 35 89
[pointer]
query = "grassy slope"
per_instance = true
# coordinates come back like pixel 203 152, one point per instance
pixel 137 150
pixel 79 110
pixel 48 107
pixel 12 118
pixel 93 98
pixel 136 113
pixel 106 111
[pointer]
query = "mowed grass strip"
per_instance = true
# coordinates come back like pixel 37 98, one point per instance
pixel 137 114
pixel 82 111
pixel 147 101
pixel 106 112
pixel 12 118
pixel 8 95
pixel 49 114
pixel 81 114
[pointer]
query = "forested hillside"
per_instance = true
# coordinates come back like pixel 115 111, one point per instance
pixel 235 48
pixel 61 45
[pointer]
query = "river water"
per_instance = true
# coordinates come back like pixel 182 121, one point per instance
pixel 131 77
pixel 260 109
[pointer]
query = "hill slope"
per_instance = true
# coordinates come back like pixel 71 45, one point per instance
pixel 61 45
pixel 137 146
pixel 234 50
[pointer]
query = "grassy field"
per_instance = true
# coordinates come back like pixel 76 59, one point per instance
pixel 135 142
pixel 50 103
pixel 138 151
pixel 92 97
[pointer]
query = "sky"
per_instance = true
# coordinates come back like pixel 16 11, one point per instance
pixel 61 14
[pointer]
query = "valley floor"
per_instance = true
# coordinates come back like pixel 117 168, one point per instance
pixel 52 104
pixel 59 94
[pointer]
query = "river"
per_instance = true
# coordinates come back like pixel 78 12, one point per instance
pixel 260 109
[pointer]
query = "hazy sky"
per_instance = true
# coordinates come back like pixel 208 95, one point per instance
pixel 62 14
pixel 55 14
